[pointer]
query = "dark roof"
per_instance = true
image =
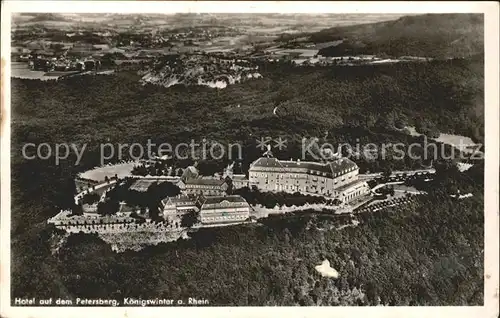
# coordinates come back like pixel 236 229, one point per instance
pixel 219 199
pixel 203 181
pixel 267 162
pixel 240 177
pixel 190 173
pixel 336 166
pixel 182 200
pixel 342 164
pixel 178 200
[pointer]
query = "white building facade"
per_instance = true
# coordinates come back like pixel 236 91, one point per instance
pixel 335 179
pixel 226 209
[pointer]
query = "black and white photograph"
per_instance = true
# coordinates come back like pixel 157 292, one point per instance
pixel 199 157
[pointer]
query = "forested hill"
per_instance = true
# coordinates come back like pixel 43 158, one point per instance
pixel 447 95
pixel 429 35
pixel 429 252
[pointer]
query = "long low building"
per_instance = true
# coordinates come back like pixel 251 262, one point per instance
pixel 335 179
pixel 210 209
pixel 204 186
pixel 352 190
pixel 226 209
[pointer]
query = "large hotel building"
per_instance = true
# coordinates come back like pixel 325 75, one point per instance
pixel 335 179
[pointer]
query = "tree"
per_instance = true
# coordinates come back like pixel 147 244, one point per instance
pixel 139 170
pixel 189 219
pixel 387 172
pixel 336 202
pixel 400 123
pixel 391 191
pixel 108 207
pixel 90 198
pixel 77 209
pixel 433 133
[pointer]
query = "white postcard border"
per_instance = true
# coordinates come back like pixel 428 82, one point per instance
pixel 491 269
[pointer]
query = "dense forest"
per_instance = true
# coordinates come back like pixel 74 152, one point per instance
pixel 425 253
pixel 350 103
pixel 428 35
pixel 428 252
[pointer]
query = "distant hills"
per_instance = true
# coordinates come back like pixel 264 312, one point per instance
pixel 429 35
pixel 246 21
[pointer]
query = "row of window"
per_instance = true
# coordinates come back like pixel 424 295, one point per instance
pixel 233 210
pixel 294 188
pixel 268 181
pixel 223 218
pixel 265 175
pixel 279 176
pixel 297 188
pixel 353 195
pixel 218 191
pixel 201 186
pixel 310 172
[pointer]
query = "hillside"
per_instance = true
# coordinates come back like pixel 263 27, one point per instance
pixel 429 35
pixel 353 104
pixel 426 253
pixel 444 94
pixel 423 254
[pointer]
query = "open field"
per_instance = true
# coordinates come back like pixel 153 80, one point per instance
pixel 299 52
pixel 403 188
pixel 121 170
pixel 22 70
pixel 463 143
pixel 400 190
